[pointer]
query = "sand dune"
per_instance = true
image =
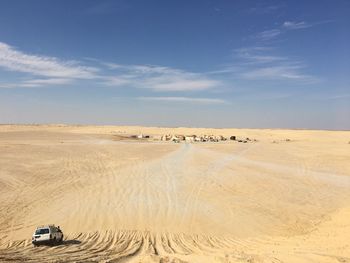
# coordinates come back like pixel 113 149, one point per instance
pixel 130 201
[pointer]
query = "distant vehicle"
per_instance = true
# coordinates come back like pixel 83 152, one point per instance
pixel 49 234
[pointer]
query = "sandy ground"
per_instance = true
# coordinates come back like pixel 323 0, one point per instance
pixel 136 201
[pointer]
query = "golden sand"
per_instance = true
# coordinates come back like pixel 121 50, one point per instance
pixel 117 200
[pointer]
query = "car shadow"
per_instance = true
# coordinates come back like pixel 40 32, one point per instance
pixel 70 242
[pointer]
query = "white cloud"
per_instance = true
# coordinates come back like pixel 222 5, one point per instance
pixel 261 63
pixel 152 69
pixel 46 71
pixel 287 72
pixel 42 82
pixel 109 64
pixel 268 34
pixel 14 60
pixel 161 79
pixel 180 83
pixel 31 83
pixel 295 25
pixel 285 27
pixel 185 99
pixel 117 81
pixel 254 55
pixel 140 69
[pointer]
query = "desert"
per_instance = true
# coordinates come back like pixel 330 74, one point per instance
pixel 284 196
pixel 174 131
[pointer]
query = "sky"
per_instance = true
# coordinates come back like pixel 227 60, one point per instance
pixel 197 63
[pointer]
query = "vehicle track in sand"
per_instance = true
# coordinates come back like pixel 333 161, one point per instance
pixel 186 203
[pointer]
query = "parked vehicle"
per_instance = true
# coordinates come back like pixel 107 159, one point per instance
pixel 48 234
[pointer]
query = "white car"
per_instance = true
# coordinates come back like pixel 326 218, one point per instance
pixel 49 234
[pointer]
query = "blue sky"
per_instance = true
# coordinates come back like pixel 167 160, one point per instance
pixel 200 63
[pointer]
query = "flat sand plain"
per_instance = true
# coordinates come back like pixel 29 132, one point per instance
pixel 123 200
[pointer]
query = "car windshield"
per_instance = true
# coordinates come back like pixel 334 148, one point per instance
pixel 42 231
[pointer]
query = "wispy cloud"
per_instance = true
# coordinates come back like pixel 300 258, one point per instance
pixel 31 83
pixel 286 26
pixel 261 63
pixel 13 60
pixel 282 71
pixel 53 81
pixel 46 71
pixel 295 25
pixel 158 78
pixel 185 100
pixel 268 34
pixel 180 83
pixel 257 55
pixel 116 81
